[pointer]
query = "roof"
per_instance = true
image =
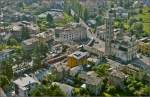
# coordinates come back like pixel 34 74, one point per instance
pixel 2 94
pixel 118 74
pixel 70 28
pixel 30 41
pixel 79 54
pixel 90 78
pixel 45 35
pixel 75 70
pixel 67 89
pixel 55 14
pixel 94 60
pixel 6 51
pixel 24 81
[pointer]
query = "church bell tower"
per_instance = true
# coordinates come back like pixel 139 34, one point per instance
pixel 109 33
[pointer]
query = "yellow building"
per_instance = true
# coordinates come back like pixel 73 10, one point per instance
pixel 77 58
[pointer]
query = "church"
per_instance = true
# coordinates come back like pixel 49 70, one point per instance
pixel 119 45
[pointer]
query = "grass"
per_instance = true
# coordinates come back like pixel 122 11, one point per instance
pixel 146 19
pixel 67 19
pixel 4 46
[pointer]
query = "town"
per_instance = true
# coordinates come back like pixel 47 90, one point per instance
pixel 74 48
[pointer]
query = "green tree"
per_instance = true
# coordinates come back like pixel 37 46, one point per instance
pixel 25 33
pixel 102 69
pixel 6 69
pixel 132 21
pixel 86 15
pixel 12 41
pixel 50 20
pixel 4 81
pixel 137 28
pixel 47 90
pixel 99 20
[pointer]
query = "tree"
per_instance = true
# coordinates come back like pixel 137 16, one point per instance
pixel 47 90
pixel 102 69
pixel 137 28
pixel 39 53
pixel 6 69
pixel 86 15
pixel 99 20
pixel 37 59
pixel 4 81
pixel 50 20
pixel 141 11
pixel 25 33
pixel 76 18
pixel 132 21
pixel 12 41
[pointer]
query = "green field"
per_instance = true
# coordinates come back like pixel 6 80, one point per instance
pixel 146 19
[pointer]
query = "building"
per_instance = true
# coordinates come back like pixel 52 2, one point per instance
pixel 144 47
pixel 100 32
pixel 5 54
pixel 4 36
pixel 125 48
pixel 57 49
pixel 59 70
pixel 2 93
pixel 120 13
pixel 29 44
pixel 117 78
pixel 95 61
pixel 24 86
pixel 76 70
pixel 109 34
pixel 71 32
pixel 93 5
pixel 16 28
pixel 41 74
pixel 55 13
pixel 77 58
pixel 119 45
pixel 56 4
pixel 45 36
pixel 67 89
pixel 93 83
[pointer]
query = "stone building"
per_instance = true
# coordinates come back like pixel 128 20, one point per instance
pixel 71 32
pixel 119 45
pixel 125 48
pixel 93 5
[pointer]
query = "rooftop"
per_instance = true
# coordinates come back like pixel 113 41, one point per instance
pixel 30 41
pixel 64 87
pixel 90 78
pixel 24 81
pixel 79 54
pixel 118 74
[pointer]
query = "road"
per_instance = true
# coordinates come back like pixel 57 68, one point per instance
pixel 90 34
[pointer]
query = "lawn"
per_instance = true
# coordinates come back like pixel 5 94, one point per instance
pixel 67 19
pixel 146 19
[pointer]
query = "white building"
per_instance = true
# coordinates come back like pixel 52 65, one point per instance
pixel 29 44
pixel 118 45
pixel 67 89
pixel 101 32
pixel 124 48
pixel 24 86
pixel 71 32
